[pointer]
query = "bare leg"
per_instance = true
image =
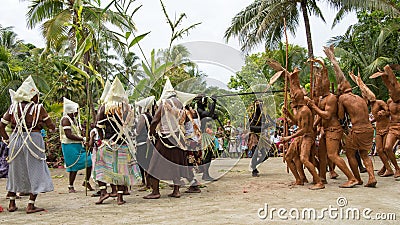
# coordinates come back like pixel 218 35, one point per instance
pixel 176 193
pixel 86 181
pixel 333 146
pixel 293 169
pixel 12 207
pixel 323 160
pixel 72 176
pixel 300 169
pixel 332 172
pixel 290 158
pixel 120 194
pixel 370 168
pixel 351 157
pixel 306 145
pixel 113 191
pixel 103 193
pixel 390 141
pixel 155 194
pixel 31 205
pixel 386 169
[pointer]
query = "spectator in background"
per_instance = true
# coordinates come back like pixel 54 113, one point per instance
pixel 244 139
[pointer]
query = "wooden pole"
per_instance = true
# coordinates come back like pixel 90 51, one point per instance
pixel 285 122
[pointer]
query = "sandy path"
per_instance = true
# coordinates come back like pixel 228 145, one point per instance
pixel 234 199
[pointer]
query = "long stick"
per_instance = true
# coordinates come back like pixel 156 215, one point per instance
pixel 285 122
pixel 311 78
pixel 248 93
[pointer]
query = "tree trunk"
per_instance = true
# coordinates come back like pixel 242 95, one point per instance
pixel 303 4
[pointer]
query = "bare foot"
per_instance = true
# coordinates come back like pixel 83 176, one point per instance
pixel 297 182
pixel 88 186
pixel 12 209
pixel 304 180
pixel 371 183
pixel 388 173
pixel 349 184
pixel 121 202
pixel 192 189
pixel 175 195
pixel 102 198
pixel 96 194
pixel 71 190
pixel 334 175
pixel 152 196
pixel 33 209
pixel 381 171
pixel 359 182
pixel 397 174
pixel 317 186
pixel 144 188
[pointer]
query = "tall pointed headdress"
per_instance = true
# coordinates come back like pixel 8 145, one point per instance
pixel 389 78
pixel 12 94
pixel 169 91
pixel 145 104
pixel 343 84
pixel 116 96
pixel 26 91
pixel 107 87
pixel 365 91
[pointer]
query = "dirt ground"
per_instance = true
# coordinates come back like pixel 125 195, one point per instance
pixel 234 199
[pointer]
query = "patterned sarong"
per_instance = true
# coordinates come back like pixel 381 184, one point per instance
pixel 115 165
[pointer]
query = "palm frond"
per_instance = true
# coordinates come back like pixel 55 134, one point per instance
pixel 41 10
pixel 56 29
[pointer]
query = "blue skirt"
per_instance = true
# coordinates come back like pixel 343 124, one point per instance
pixel 75 157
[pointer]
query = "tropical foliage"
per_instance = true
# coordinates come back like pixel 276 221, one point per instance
pixel 368 46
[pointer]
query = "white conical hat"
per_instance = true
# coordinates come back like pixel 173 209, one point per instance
pixel 70 106
pixel 116 92
pixel 107 87
pixel 185 98
pixel 12 93
pixel 115 96
pixel 167 92
pixel 26 91
pixel 145 103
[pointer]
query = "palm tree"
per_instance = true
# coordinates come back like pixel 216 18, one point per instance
pixel 367 50
pixel 8 38
pixel 263 21
pixel 59 20
pixel 390 7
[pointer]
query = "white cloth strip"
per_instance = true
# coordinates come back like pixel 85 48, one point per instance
pixel 5 121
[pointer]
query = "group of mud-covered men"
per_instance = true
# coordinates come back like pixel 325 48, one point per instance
pixel 327 115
